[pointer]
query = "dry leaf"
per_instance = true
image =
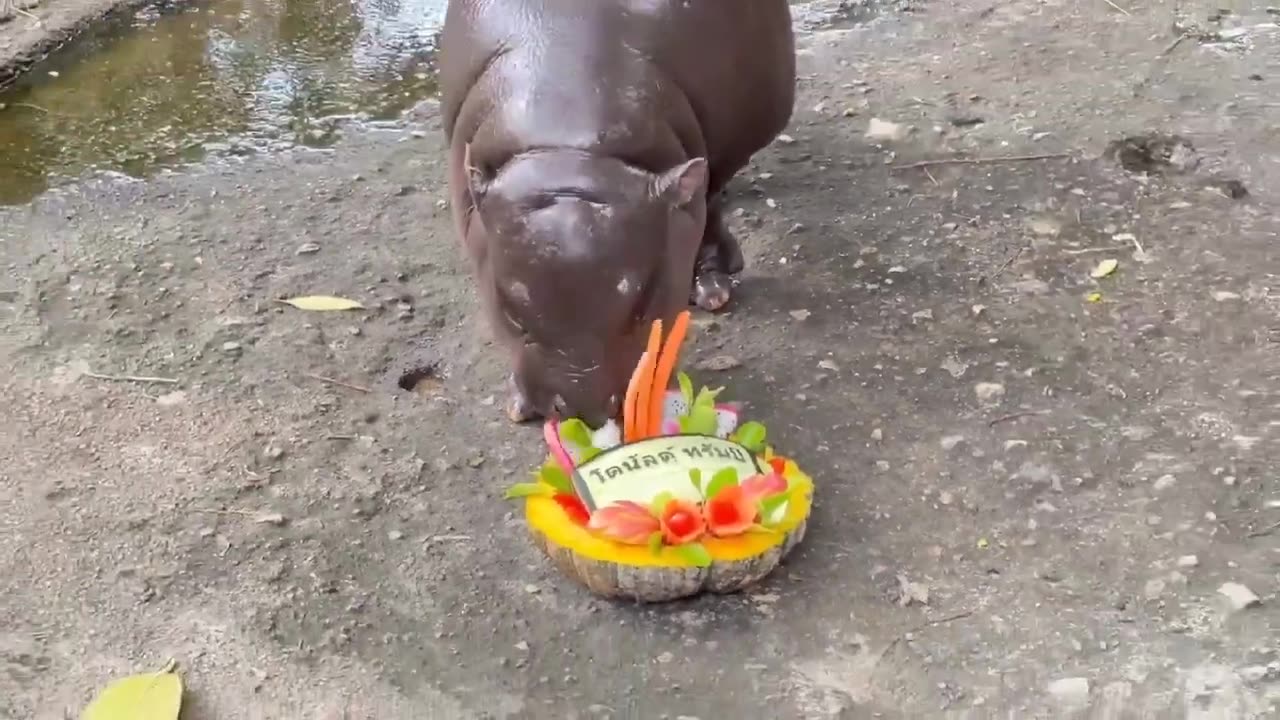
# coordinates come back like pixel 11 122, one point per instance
pixel 1105 268
pixel 152 696
pixel 269 519
pixel 1094 297
pixel 322 303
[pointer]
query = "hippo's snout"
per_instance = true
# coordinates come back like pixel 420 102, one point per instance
pixel 593 395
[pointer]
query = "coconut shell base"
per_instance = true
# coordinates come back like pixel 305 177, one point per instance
pixel 629 572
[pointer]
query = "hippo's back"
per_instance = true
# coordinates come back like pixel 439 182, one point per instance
pixel 590 66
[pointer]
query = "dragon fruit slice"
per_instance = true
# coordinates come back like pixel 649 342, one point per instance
pixel 674 405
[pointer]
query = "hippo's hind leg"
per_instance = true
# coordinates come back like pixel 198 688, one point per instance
pixel 719 257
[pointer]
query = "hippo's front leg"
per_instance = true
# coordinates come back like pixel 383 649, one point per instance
pixel 719 257
pixel 519 409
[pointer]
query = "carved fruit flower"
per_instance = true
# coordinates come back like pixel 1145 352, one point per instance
pixel 681 522
pixel 573 507
pixel 730 512
pixel 624 521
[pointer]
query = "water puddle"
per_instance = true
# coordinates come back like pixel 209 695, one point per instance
pixel 164 85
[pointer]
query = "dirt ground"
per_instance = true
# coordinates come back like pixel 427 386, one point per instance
pixel 1032 500
pixel 46 26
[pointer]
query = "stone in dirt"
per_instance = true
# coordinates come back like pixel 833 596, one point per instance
pixel 1238 596
pixel 1071 692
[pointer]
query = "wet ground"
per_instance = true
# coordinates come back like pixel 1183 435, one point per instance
pixel 161 85
pixel 1040 494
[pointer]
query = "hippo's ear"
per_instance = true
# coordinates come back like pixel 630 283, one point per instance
pixel 477 183
pixel 683 183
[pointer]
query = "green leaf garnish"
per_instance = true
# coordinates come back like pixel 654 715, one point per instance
pixel 721 480
pixel 695 477
pixel 751 435
pixel 524 490
pixel 655 543
pixel 770 505
pixel 589 454
pixel 694 554
pixel 576 431
pixel 659 503
pixel 556 477
pixel 707 397
pixel 686 388
pixel 701 420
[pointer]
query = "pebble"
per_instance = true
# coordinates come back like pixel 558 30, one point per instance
pixel 1072 691
pixel 1188 561
pixel 1239 596
pixel 719 363
pixel 879 129
pixel 665 658
pixel 951 441
pixel 308 248
pixel 989 393
pixel 395 535
pixel 231 347
pixel 801 315
pixel 1165 482
pixel 877 434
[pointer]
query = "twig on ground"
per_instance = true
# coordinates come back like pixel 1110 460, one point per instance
pixel 1171 46
pixel 1005 265
pixel 339 383
pixel 1015 416
pixel 132 378
pixel 940 621
pixel 979 160
pixel 1085 251
pixel 932 179
pixel 339 437
pixel 445 538
pixel 1117 7
pixel 1265 531
pixel 210 511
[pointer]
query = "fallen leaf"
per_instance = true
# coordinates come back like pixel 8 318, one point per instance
pixel 322 303
pixel 801 315
pixel 1094 297
pixel 1105 268
pixel 152 696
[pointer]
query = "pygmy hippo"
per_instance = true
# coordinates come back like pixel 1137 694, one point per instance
pixel 590 144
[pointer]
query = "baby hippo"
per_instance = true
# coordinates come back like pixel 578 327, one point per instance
pixel 590 144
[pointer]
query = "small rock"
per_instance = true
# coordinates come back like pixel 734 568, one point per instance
pixel 475 461
pixel 954 367
pixel 308 248
pixel 719 363
pixel 1153 589
pixel 946 498
pixel 532 589
pixel 1072 691
pixel 912 592
pixel 1164 482
pixel 882 465
pixel 1045 227
pixel 665 658
pixel 177 397
pixel 989 393
pixel 951 441
pixel 269 519
pixel 786 139
pixel 801 315
pixel 877 434
pixel 231 347
pixel 883 130
pixel 829 365
pixel 921 315
pixel 522 646
pixel 395 535
pixel 1188 561
pixel 1239 596
pixel 1225 295
pixel 273 452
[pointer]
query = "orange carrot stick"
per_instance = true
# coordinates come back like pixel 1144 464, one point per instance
pixel 666 365
pixel 650 361
pixel 629 405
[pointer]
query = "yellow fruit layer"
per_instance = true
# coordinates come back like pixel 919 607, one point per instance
pixel 546 517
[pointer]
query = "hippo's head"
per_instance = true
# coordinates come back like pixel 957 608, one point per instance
pixel 576 255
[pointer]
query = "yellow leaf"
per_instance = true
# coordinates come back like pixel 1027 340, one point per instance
pixel 1094 297
pixel 153 696
pixel 983 544
pixel 322 303
pixel 1105 268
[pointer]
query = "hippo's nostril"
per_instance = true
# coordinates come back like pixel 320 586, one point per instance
pixel 614 407
pixel 560 407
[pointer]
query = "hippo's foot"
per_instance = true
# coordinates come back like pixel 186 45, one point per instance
pixel 719 257
pixel 519 409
